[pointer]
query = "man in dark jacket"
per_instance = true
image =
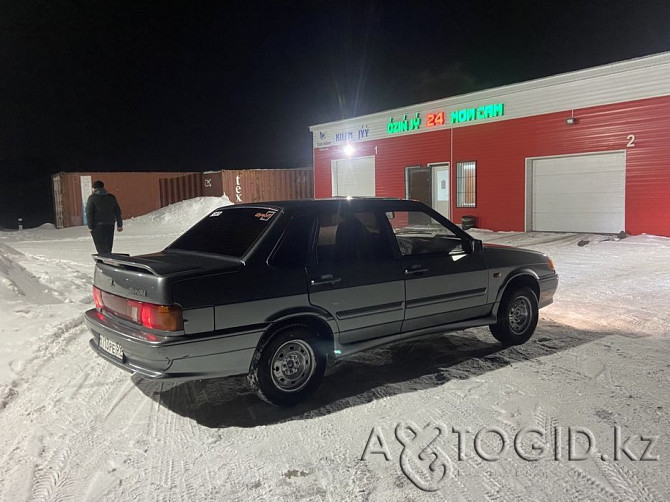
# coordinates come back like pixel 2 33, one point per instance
pixel 102 211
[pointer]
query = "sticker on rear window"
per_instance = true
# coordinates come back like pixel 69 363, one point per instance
pixel 265 216
pixel 216 213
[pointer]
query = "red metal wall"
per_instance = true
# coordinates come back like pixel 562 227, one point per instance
pixel 392 155
pixel 501 149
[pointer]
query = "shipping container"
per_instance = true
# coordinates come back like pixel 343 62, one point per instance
pixel 142 193
pixel 586 151
pixel 255 185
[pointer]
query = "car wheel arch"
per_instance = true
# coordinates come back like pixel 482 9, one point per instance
pixel 519 279
pixel 310 320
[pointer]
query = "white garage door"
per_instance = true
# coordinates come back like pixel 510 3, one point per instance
pixel 353 176
pixel 584 193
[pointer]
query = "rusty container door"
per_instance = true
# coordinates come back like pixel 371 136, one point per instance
pixel 256 185
pixel 177 189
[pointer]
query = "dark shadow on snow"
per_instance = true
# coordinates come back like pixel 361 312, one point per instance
pixel 387 371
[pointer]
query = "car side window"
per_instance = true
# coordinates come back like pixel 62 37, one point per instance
pixel 352 237
pixel 294 246
pixel 418 233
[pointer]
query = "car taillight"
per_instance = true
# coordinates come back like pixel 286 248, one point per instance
pixel 165 317
pixel 149 315
pixel 97 298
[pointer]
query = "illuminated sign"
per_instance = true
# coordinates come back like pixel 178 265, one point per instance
pixel 482 112
pixel 439 118
pixel 404 124
pixel 435 119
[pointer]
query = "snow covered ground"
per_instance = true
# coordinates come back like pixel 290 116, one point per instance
pixel 73 427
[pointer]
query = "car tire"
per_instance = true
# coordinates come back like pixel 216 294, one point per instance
pixel 288 367
pixel 517 317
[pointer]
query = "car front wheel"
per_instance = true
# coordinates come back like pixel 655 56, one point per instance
pixel 288 367
pixel 517 317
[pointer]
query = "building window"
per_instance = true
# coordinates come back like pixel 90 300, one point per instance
pixel 466 184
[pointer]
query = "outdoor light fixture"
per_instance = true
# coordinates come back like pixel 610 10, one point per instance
pixel 571 121
pixel 349 150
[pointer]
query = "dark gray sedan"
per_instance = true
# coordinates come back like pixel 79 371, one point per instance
pixel 275 290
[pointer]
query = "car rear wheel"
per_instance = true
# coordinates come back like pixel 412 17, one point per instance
pixel 288 367
pixel 517 317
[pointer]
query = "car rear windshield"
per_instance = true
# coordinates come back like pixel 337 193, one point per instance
pixel 229 232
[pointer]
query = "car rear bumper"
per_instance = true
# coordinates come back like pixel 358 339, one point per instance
pixel 184 357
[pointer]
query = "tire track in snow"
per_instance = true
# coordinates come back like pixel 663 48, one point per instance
pixel 168 470
pixel 24 283
pixel 624 484
pixel 122 394
pixel 51 478
pixel 17 483
pixel 50 345
pixel 564 473
pixel 70 411
pixel 629 486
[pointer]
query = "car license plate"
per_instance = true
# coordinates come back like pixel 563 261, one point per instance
pixel 111 347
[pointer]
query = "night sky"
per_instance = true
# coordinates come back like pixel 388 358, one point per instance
pixel 195 86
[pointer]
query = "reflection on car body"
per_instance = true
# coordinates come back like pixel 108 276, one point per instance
pixel 276 290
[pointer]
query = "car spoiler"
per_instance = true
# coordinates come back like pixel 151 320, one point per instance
pixel 155 265
pixel 122 260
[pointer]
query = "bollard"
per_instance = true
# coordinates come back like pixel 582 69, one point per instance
pixel 20 223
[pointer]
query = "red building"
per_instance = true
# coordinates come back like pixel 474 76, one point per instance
pixel 587 151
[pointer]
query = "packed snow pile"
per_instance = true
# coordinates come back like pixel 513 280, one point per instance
pixel 182 214
pixel 587 397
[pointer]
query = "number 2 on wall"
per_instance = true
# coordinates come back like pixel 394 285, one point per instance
pixel 631 141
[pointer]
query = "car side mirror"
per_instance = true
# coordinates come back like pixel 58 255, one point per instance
pixel 471 246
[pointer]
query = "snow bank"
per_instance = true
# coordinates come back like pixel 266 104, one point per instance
pixel 184 213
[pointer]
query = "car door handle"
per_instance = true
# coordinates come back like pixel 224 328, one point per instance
pixel 324 280
pixel 418 269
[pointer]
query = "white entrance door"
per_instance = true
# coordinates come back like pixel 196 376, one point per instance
pixel 581 193
pixel 441 189
pixel 353 177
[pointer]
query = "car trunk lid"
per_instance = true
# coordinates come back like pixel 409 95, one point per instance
pixel 148 278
